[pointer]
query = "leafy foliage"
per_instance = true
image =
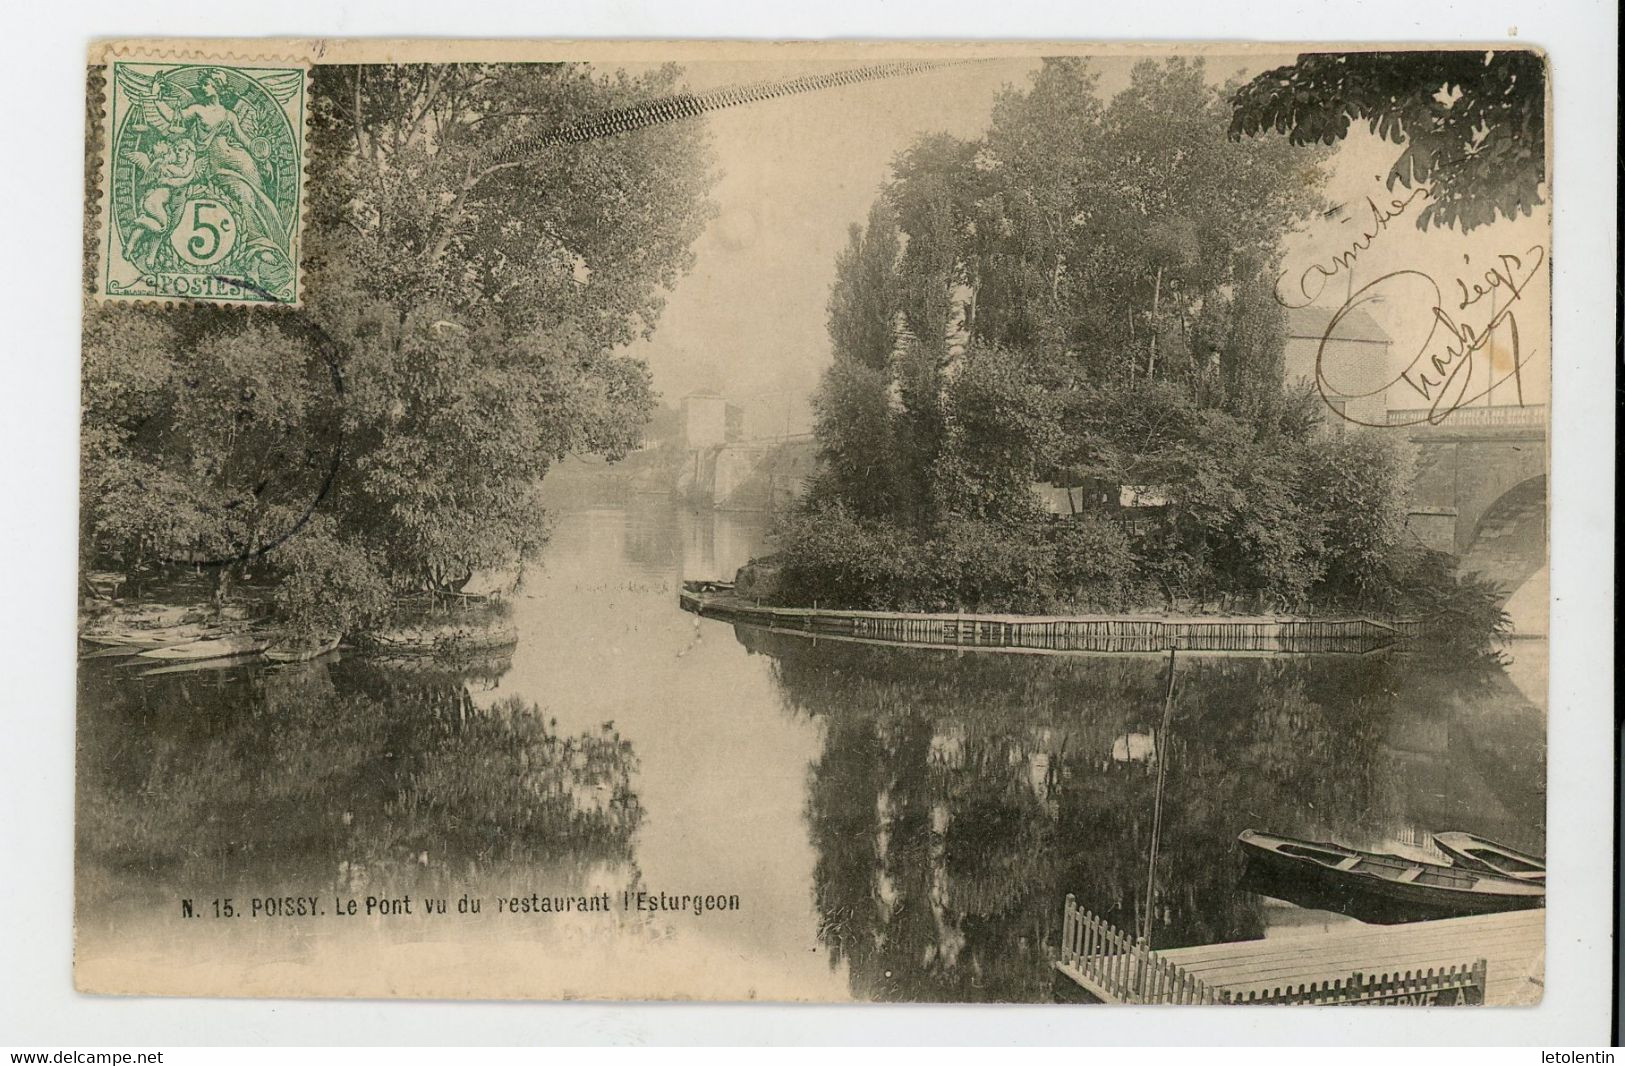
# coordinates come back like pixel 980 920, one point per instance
pixel 1114 236
pixel 1473 123
pixel 1457 612
pixel 1084 298
pixel 1355 484
pixel 863 302
pixel 858 441
pixel 832 558
pixel 463 315
pixel 1000 426
pixel 829 557
pixel 329 585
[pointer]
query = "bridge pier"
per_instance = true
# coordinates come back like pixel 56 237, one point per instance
pixel 1480 488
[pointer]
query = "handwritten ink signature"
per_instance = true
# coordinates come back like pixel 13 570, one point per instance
pixel 1440 373
pixel 1312 280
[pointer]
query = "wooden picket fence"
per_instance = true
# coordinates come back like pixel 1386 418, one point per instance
pixel 1434 987
pixel 1114 967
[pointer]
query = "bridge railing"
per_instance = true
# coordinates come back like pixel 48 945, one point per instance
pixel 1505 415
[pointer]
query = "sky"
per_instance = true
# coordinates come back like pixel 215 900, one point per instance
pixel 749 319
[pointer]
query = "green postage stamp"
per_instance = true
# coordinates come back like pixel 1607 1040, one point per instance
pixel 202 179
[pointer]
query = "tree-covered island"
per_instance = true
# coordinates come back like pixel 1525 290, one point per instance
pixel 1082 303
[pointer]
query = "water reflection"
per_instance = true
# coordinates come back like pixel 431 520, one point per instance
pixel 902 824
pixel 360 776
pixel 961 795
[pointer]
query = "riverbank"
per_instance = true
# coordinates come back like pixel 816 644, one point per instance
pixel 192 634
pixel 1108 633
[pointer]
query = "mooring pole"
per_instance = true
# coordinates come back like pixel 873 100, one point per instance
pixel 1156 803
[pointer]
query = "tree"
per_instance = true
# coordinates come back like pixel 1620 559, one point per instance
pixel 854 420
pixel 1356 483
pixel 1195 220
pixel 199 446
pixel 1044 164
pixel 863 302
pixel 934 190
pixel 1473 123
pixel 464 307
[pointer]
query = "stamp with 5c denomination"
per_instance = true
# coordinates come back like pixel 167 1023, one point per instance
pixel 202 179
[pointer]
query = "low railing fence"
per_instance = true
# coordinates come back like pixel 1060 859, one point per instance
pixel 1464 417
pixel 1434 987
pixel 1059 634
pixel 1115 967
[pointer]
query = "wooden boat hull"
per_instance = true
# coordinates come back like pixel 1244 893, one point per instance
pixel 216 648
pixel 231 662
pixel 1478 853
pixel 1315 894
pixel 144 639
pixel 117 640
pixel 1465 894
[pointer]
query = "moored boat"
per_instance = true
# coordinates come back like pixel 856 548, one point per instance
pixel 231 662
pixel 212 648
pixel 145 638
pixel 1447 890
pixel 708 585
pixel 1479 853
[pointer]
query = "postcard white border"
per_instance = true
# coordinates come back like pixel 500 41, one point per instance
pixel 38 476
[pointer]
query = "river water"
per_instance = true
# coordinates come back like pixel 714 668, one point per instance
pixel 875 823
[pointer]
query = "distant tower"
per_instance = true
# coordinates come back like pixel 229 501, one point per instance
pixel 705 420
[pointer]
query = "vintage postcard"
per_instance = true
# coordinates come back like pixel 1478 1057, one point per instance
pixel 1044 523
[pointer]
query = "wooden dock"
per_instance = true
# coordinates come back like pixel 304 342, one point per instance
pixel 1495 959
pixel 1092 633
pixel 1513 945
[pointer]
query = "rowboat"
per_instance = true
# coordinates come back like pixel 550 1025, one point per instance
pixel 139 639
pixel 130 651
pixel 1443 889
pixel 214 648
pixel 117 639
pixel 199 665
pixel 296 651
pixel 1477 853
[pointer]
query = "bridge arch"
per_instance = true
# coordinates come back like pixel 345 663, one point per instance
pixel 1467 463
pixel 1508 542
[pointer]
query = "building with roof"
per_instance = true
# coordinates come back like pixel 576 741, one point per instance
pixel 1354 357
pixel 708 420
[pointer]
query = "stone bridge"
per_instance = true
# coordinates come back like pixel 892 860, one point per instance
pixel 764 474
pixel 1480 491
